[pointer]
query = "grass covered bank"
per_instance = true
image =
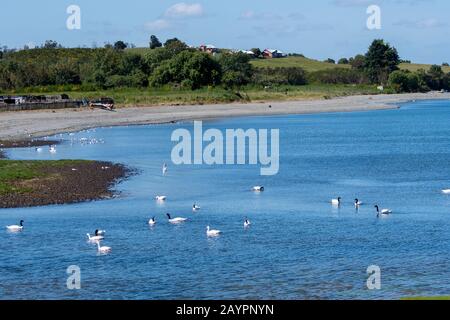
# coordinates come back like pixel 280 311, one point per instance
pixel 37 183
pixel 208 95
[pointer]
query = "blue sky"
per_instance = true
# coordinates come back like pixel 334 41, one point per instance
pixel 318 29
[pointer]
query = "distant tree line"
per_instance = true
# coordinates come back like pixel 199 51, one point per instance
pixel 175 64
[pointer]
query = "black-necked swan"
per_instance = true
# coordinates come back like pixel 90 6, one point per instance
pixel 103 249
pixel 164 169
pixel 383 212
pixel 95 237
pixel 152 221
pixel 160 198
pixel 258 188
pixel 336 202
pixel 100 232
pixel 446 191
pixel 39 149
pixel 212 233
pixel 15 228
pixel 358 203
pixel 195 207
pixel 175 220
pixel 52 149
pixel 247 223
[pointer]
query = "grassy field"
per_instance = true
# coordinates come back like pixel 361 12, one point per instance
pixel 14 172
pixel 308 65
pixel 169 96
pixel 418 66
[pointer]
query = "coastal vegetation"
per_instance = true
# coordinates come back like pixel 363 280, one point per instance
pixel 35 183
pixel 175 73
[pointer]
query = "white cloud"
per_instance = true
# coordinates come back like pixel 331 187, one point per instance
pixel 183 10
pixel 174 14
pixel 421 24
pixel 158 25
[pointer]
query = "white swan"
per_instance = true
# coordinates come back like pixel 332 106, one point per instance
pixel 164 169
pixel 258 188
pixel 94 238
pixel 175 220
pixel 358 203
pixel 336 202
pixel 160 198
pixel 247 223
pixel 446 191
pixel 195 207
pixel 383 212
pixel 103 249
pixel 52 149
pixel 152 221
pixel 212 233
pixel 16 228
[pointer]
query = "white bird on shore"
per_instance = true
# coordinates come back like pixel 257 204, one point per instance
pixel 446 191
pixel 52 149
pixel 247 223
pixel 103 249
pixel 164 169
pixel 258 189
pixel 152 221
pixel 160 198
pixel 336 202
pixel 175 220
pixel 383 212
pixel 212 233
pixel 16 228
pixel 195 207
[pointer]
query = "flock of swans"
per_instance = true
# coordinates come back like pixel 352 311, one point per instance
pixel 380 212
pixel 99 235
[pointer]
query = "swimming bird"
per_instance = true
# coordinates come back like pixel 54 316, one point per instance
pixel 16 228
pixel 358 203
pixel 160 198
pixel 52 149
pixel 39 149
pixel 175 220
pixel 212 233
pixel 164 169
pixel 195 207
pixel 247 223
pixel 94 238
pixel 100 232
pixel 152 221
pixel 103 249
pixel 446 191
pixel 383 212
pixel 336 202
pixel 258 188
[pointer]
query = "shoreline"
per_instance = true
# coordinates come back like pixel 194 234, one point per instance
pixel 58 182
pixel 26 125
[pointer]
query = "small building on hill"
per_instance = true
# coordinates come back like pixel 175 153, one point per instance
pixel 209 48
pixel 273 53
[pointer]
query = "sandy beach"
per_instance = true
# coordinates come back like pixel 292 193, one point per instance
pixel 26 124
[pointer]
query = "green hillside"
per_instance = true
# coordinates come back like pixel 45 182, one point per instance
pixel 308 65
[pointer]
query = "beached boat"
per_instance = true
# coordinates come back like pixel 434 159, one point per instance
pixel 103 103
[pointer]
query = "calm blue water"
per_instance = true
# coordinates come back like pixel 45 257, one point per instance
pixel 298 247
